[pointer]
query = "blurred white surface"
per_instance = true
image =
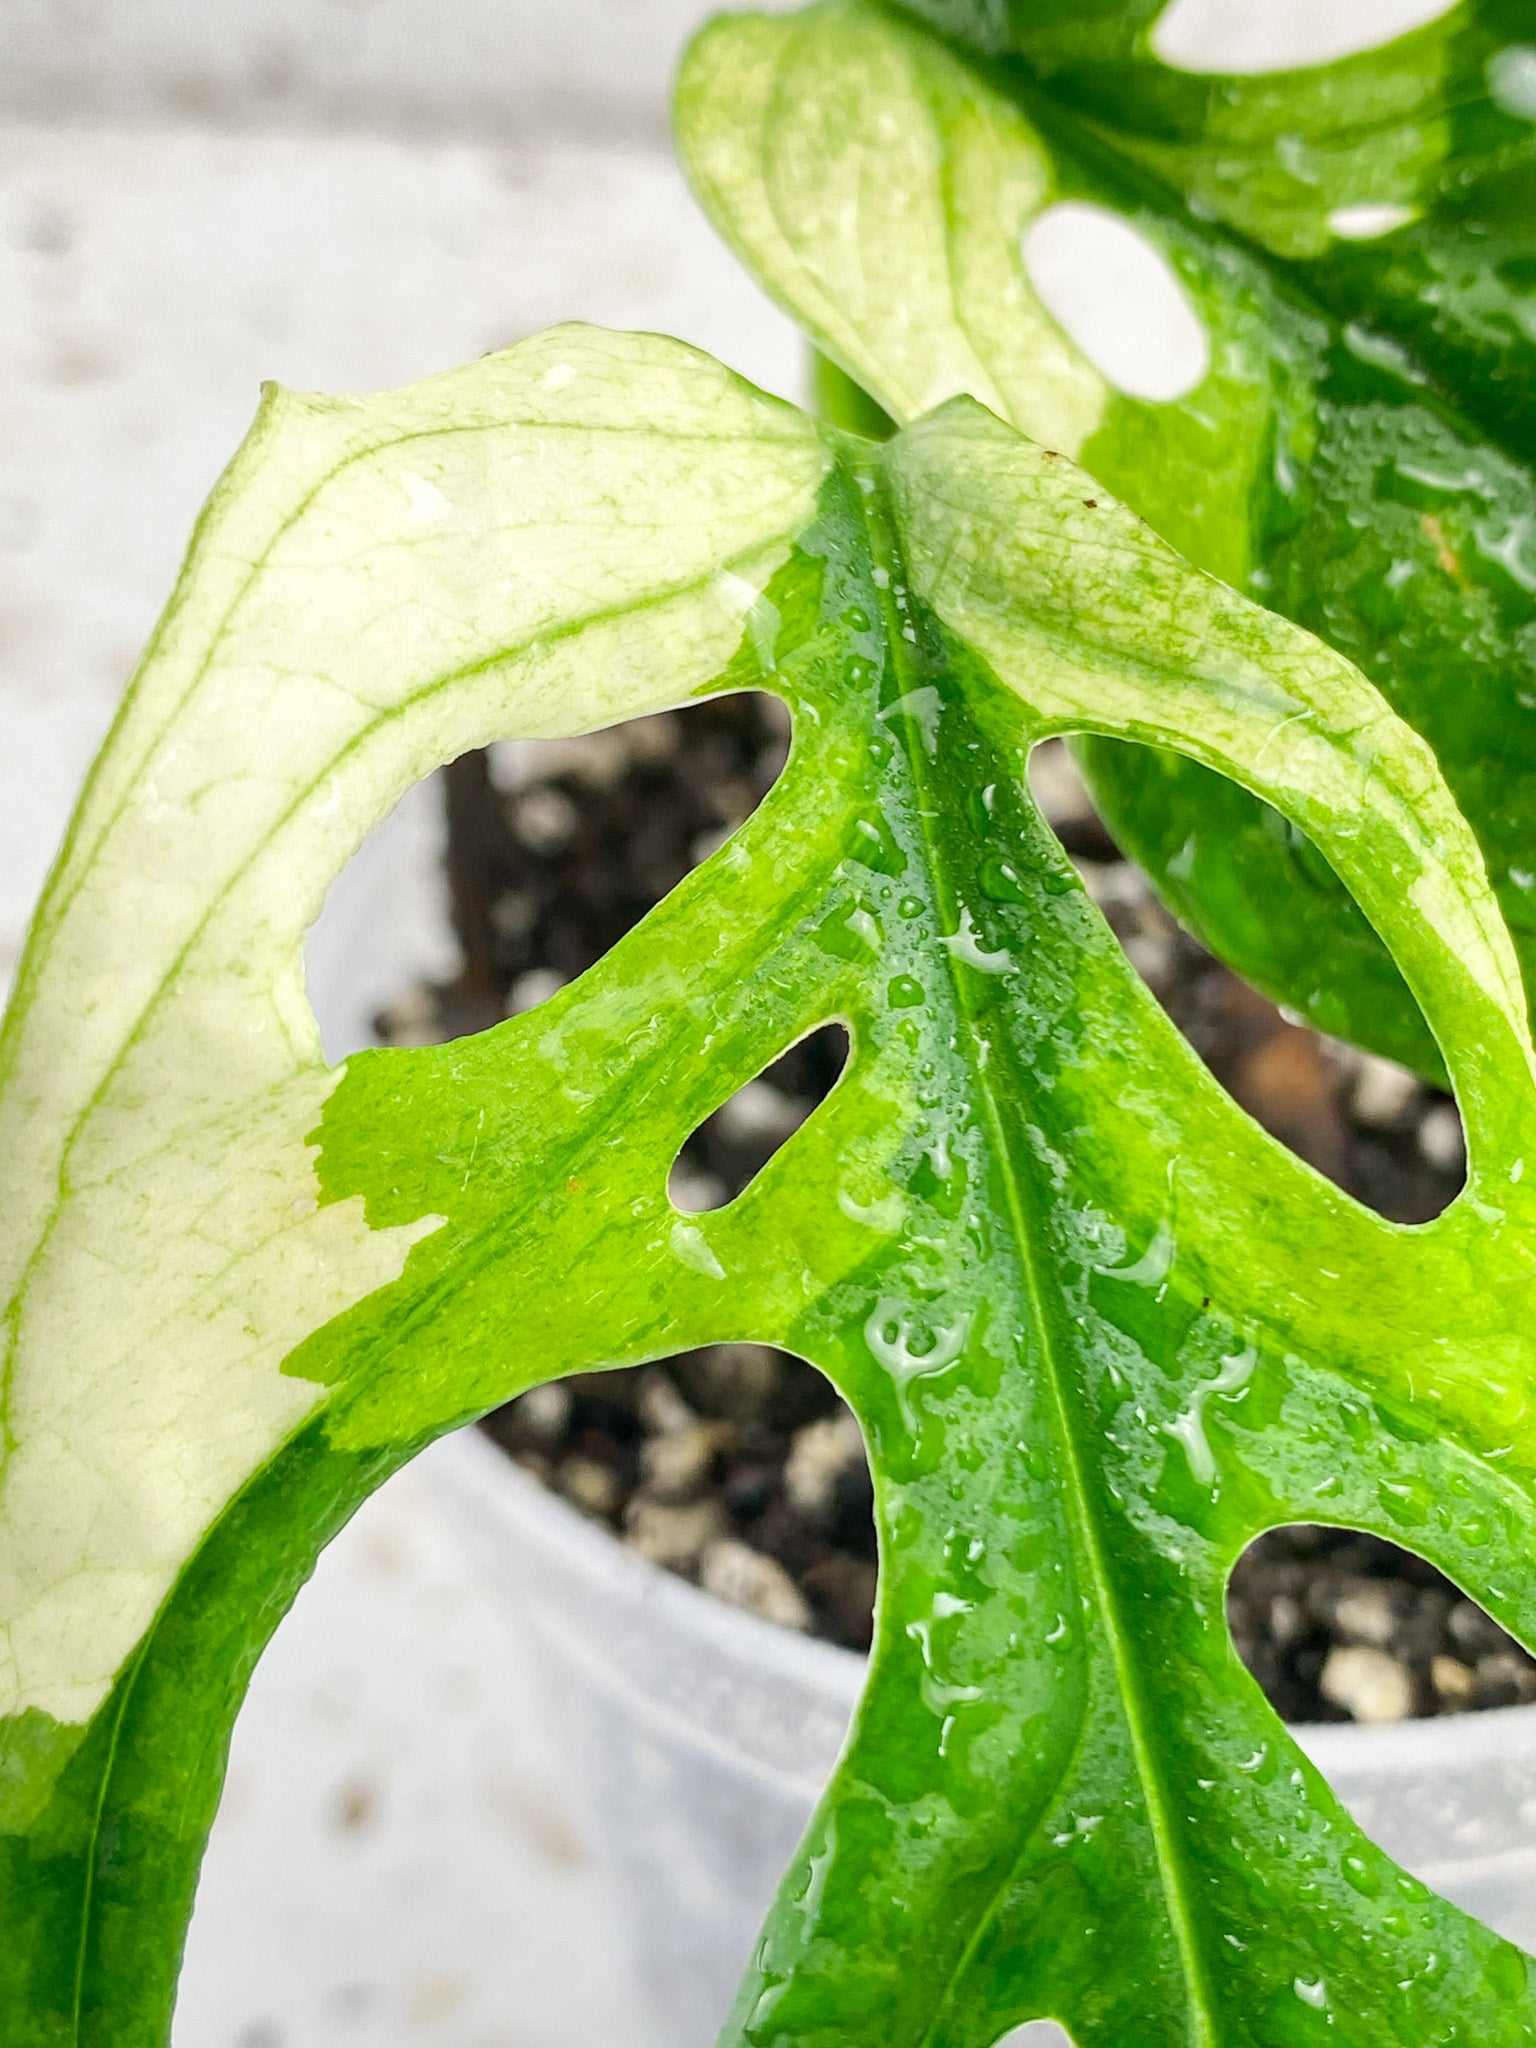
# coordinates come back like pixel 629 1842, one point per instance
pixel 500 68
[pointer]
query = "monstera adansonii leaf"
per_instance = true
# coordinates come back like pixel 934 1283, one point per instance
pixel 1099 1330
pixel 1355 245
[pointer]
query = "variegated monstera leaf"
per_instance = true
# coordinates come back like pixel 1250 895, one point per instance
pixel 1098 1329
pixel 1342 259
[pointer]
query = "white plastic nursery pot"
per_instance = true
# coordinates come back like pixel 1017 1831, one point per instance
pixel 699 1736
pixel 702 1737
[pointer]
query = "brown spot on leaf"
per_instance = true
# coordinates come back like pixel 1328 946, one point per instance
pixel 1445 554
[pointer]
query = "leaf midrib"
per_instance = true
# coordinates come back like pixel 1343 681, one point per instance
pixel 984 1095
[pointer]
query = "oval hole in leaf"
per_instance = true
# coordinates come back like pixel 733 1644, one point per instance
pixel 1119 298
pixel 731 1147
pixel 1336 1625
pixel 1511 77
pixel 557 848
pixel 1036 2034
pixel 1281 35
pixel 1368 222
pixel 1364 1122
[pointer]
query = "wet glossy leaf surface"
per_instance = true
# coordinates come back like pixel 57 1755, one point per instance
pixel 1358 243
pixel 1098 1329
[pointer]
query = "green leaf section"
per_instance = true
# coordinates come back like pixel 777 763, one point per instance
pixel 1098 1329
pixel 1359 451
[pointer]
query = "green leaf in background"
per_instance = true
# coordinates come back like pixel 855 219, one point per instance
pixel 1099 1330
pixel 1355 247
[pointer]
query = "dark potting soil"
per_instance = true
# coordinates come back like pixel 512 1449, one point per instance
pixel 738 1466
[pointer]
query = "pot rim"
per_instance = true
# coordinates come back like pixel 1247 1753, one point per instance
pixel 468 1459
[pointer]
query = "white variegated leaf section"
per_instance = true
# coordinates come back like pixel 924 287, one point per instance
pixel 570 533
pixel 881 192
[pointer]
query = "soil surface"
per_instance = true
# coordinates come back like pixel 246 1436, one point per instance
pixel 738 1466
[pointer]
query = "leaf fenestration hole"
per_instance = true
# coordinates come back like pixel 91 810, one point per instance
pixel 1511 75
pixel 385 928
pixel 1119 298
pixel 1336 1625
pixel 735 1465
pixel 1368 221
pixel 1036 2034
pixel 732 1146
pixel 1364 1122
pixel 557 848
pixel 1281 35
